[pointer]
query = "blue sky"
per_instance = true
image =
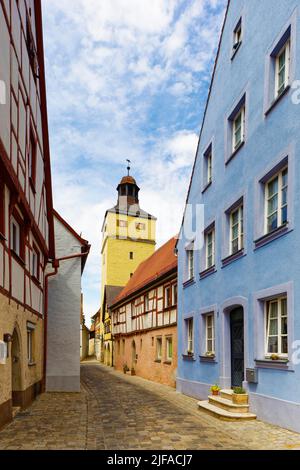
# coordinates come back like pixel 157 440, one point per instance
pixel 125 79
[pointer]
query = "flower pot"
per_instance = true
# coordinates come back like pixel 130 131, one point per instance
pixel 240 399
pixel 215 393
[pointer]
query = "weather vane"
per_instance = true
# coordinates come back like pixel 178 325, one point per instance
pixel 128 168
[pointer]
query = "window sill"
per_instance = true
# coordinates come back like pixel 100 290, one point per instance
pixel 168 363
pixel 269 237
pixel 209 359
pixel 276 100
pixel 188 357
pixel 230 259
pixel 207 272
pixel 18 258
pixel 208 185
pixel 282 364
pixel 188 283
pixel 235 152
pixel 236 50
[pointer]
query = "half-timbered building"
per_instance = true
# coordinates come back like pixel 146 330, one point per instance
pixel 26 221
pixel 144 317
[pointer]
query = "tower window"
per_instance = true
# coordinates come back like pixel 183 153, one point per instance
pixel 140 226
pixel 131 255
pixel 131 274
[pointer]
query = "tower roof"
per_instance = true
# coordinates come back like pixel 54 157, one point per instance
pixel 128 180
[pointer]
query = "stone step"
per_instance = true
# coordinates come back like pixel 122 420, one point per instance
pixel 226 404
pixel 226 393
pixel 224 414
pixel 15 411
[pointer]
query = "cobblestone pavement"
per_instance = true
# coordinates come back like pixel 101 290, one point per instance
pixel 114 411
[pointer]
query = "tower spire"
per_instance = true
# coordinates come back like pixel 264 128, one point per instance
pixel 128 167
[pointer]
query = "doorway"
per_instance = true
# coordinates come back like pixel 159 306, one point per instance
pixel 237 346
pixel 16 380
pixel 133 359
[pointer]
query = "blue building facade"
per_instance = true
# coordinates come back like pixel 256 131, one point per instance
pixel 239 290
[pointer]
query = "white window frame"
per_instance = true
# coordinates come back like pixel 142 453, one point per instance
pixel 159 348
pixel 35 264
pixel 207 246
pixel 190 335
pixel 240 226
pixel 279 335
pixel 287 49
pixel 236 144
pixel 16 248
pixel 174 294
pixel 209 167
pixel 169 340
pixel 280 205
pixel 166 297
pixel 190 263
pixel 212 336
pixel 237 35
pixel 147 301
pixel 30 344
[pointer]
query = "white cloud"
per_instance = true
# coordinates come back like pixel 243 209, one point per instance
pixel 125 78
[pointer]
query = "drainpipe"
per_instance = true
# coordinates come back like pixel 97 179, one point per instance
pixel 55 265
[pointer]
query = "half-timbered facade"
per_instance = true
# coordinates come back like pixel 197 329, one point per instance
pixel 26 222
pixel 144 319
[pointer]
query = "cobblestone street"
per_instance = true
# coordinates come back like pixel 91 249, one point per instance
pixel 114 411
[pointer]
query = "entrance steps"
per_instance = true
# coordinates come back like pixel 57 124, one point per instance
pixel 15 411
pixel 222 407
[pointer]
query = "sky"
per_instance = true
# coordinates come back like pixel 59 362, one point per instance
pixel 126 79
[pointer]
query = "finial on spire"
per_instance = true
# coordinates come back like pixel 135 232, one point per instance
pixel 128 167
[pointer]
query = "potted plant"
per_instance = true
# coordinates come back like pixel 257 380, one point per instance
pixel 274 357
pixel 125 368
pixel 215 390
pixel 210 354
pixel 240 396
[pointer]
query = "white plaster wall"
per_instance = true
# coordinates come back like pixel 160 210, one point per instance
pixel 63 342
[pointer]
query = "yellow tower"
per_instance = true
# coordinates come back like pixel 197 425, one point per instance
pixel 128 239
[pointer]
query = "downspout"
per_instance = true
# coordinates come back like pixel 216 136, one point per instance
pixel 55 265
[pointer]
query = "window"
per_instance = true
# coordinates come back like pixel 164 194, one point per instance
pixel 147 306
pixel 131 256
pixel 276 192
pixel 169 348
pixel 237 36
pixel 210 248
pixel 15 233
pixel 277 327
pixel 35 263
pixel 238 129
pixel 158 349
pixel 122 223
pixel 32 159
pixel 30 343
pixel 236 230
pixel 190 262
pixel 210 334
pixel 168 297
pixel 32 53
pixel 123 346
pixel 208 166
pixel 174 294
pixel 119 346
pixel 190 336
pixel 282 69
pixel 140 226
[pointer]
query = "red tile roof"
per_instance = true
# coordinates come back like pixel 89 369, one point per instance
pixel 157 265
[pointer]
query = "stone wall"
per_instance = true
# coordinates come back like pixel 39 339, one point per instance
pixel 146 364
pixel 14 318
